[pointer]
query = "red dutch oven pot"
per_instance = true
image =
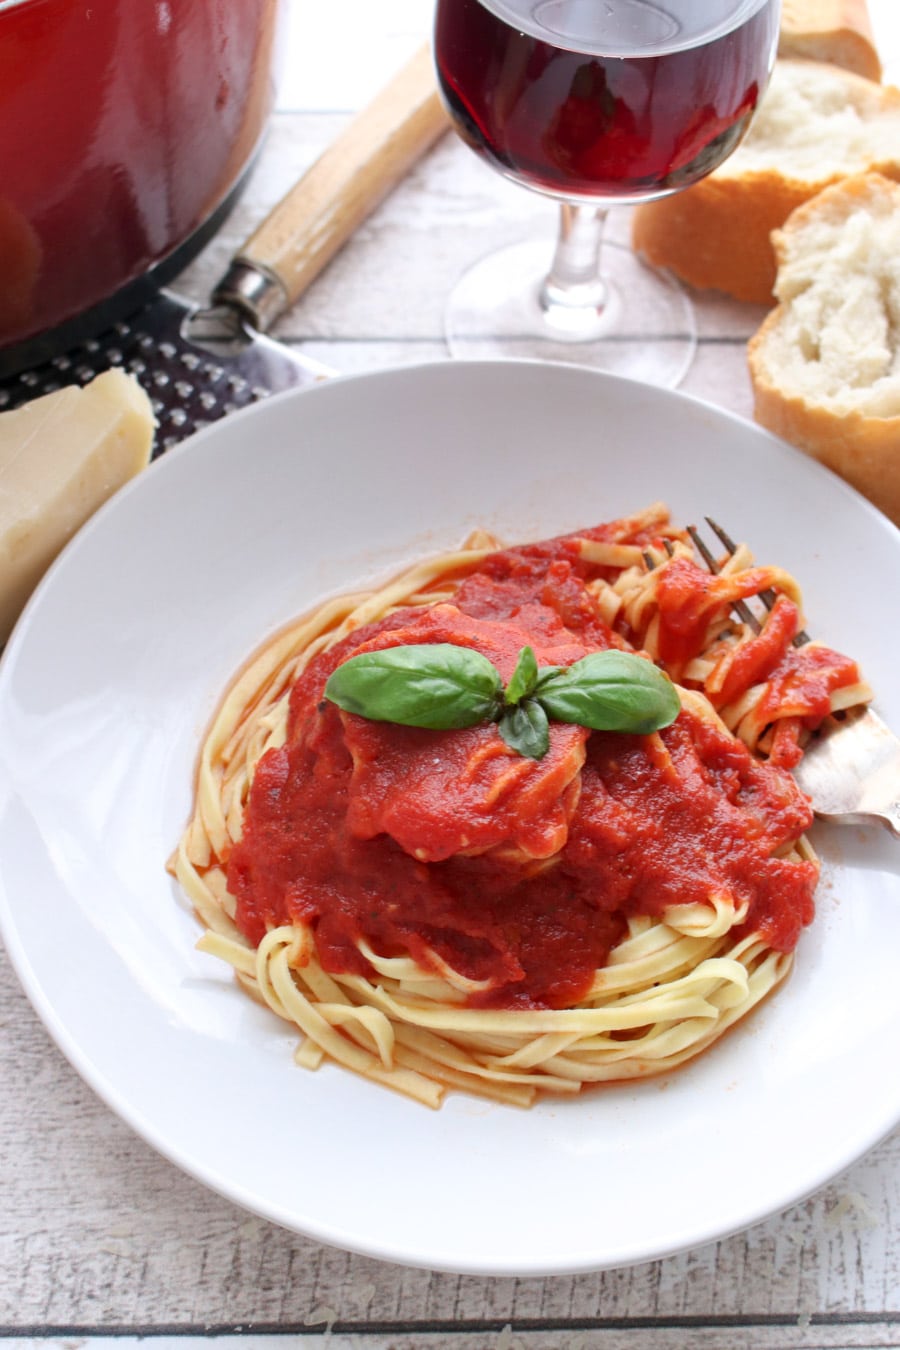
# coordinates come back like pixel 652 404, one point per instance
pixel 126 130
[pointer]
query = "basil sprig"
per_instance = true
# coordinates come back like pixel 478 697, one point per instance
pixel 440 686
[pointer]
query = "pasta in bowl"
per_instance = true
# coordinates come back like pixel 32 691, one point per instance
pixel 529 902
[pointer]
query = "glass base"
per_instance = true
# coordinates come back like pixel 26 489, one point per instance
pixel 639 324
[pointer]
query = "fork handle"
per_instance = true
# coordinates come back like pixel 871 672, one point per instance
pixel 308 226
pixel 889 816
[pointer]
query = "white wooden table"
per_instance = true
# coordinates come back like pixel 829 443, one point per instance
pixel 99 1236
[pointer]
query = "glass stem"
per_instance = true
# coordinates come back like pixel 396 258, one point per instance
pixel 574 282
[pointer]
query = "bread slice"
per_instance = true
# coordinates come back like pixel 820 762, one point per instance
pixel 816 125
pixel 839 31
pixel 825 364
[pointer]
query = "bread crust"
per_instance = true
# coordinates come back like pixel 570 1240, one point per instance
pixel 838 31
pixel 717 234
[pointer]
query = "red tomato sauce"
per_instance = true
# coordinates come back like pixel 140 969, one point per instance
pixel 799 680
pixel 520 874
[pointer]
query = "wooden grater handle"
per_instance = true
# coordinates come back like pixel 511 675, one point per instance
pixel 308 226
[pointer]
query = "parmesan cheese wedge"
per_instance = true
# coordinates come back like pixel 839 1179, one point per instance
pixel 61 457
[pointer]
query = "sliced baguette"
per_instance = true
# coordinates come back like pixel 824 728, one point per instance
pixel 839 31
pixel 825 364
pixel 816 125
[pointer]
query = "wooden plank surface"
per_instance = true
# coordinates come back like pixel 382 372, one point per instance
pixel 100 1236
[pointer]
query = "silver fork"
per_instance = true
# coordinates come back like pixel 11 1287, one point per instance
pixel 851 767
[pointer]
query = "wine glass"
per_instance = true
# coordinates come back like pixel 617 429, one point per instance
pixel 596 103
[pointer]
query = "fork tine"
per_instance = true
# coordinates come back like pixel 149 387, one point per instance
pixel 744 610
pixel 721 535
pixel 650 562
pixel 767 596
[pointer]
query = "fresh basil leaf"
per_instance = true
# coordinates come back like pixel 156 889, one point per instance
pixel 525 728
pixel 524 677
pixel 611 691
pixel 546 673
pixel 435 685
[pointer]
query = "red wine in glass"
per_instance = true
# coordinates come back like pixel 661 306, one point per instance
pixel 583 98
pixel 595 103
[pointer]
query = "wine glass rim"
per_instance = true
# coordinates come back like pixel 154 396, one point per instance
pixel 664 41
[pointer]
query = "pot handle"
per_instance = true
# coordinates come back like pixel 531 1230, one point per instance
pixel 308 226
